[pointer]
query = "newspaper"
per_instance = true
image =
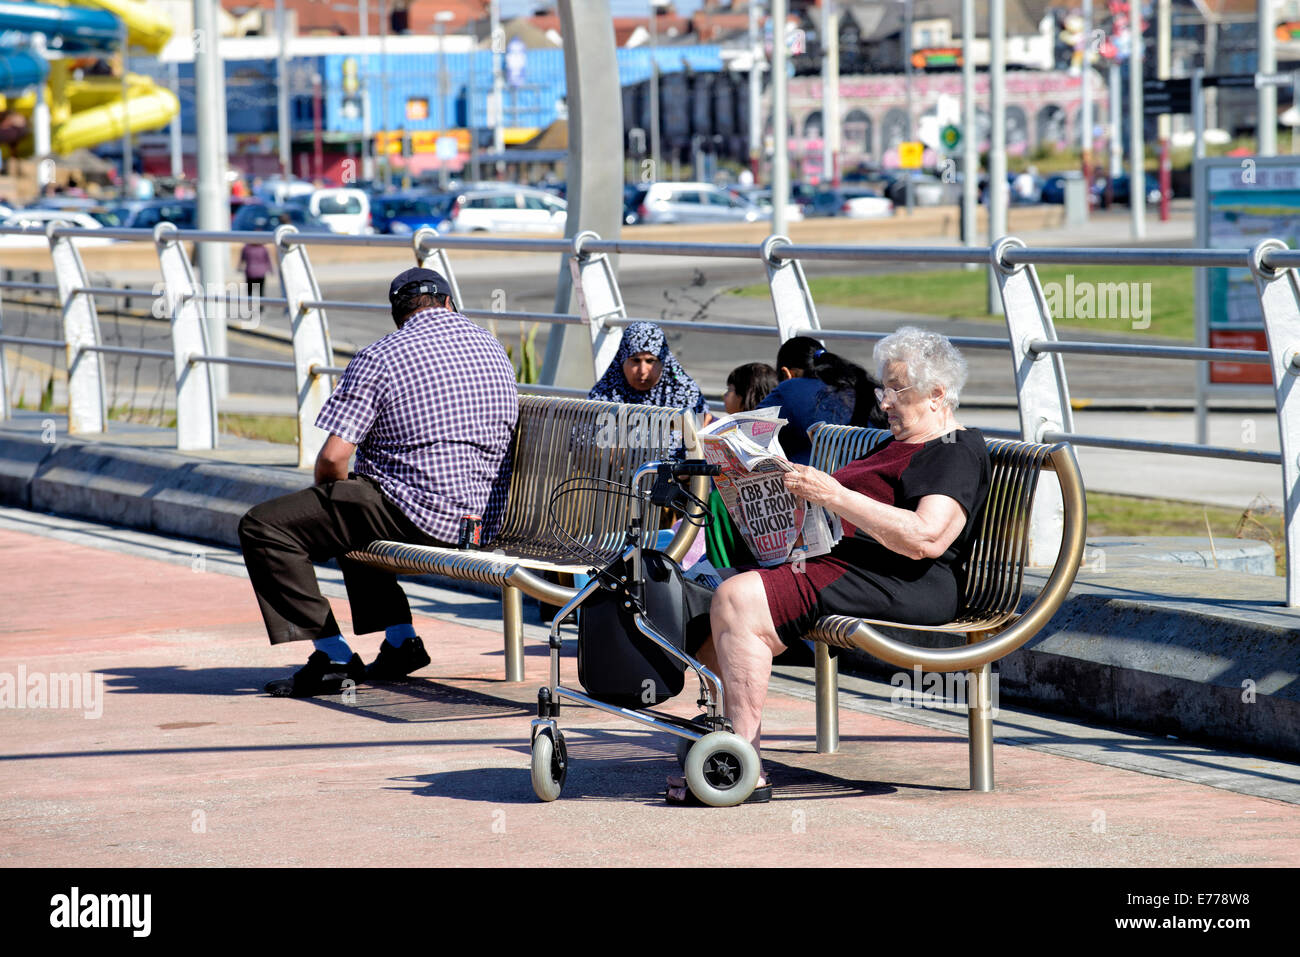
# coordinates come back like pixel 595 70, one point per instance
pixel 777 526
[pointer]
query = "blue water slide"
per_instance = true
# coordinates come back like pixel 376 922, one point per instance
pixel 20 70
pixel 68 30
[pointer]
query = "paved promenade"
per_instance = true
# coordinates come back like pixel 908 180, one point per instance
pixel 178 758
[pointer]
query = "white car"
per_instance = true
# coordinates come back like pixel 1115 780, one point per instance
pixel 278 190
pixel 503 208
pixel 40 218
pixel 342 210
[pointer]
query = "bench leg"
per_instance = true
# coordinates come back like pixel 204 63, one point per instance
pixel 512 618
pixel 828 700
pixel 979 704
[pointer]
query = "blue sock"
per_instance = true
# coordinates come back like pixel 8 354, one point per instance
pixel 396 635
pixel 338 650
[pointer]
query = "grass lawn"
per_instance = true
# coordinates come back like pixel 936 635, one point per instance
pixel 1127 515
pixel 1080 297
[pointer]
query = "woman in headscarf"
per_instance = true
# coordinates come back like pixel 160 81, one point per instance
pixel 645 372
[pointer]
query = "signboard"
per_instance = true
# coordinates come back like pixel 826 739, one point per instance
pixel 1239 202
pixel 417 108
pixel 950 138
pixel 448 148
pixel 1166 96
pixel 910 154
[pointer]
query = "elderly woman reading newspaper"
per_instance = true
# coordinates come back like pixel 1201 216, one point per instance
pixel 909 509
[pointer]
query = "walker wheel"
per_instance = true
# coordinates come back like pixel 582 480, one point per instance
pixel 722 769
pixel 550 764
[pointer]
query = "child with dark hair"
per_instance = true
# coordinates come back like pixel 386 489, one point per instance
pixel 747 386
pixel 819 386
pixel 724 547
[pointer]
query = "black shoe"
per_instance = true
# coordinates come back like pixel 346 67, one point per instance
pixel 394 664
pixel 318 676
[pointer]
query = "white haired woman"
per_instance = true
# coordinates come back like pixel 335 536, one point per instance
pixel 909 508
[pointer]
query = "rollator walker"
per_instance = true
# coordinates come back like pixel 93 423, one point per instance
pixel 639 615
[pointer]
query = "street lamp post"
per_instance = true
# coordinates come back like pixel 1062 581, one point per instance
pixel 440 20
pixel 654 89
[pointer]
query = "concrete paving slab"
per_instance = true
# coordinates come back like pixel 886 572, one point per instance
pixel 188 763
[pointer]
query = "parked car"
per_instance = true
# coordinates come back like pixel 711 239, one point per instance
pixel 1121 187
pixel 761 196
pixel 343 210
pixel 148 213
pixel 37 218
pixel 501 207
pixel 262 217
pixel 279 189
pixel 854 202
pixel 403 214
pixel 695 203
pixel 927 189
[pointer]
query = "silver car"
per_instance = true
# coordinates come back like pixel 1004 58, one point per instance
pixel 504 208
pixel 694 203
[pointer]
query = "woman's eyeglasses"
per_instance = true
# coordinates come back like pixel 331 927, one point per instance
pixel 891 395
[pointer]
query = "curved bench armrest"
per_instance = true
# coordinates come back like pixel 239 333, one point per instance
pixel 854 633
pixel 701 485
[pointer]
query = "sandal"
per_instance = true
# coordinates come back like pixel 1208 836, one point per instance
pixel 761 794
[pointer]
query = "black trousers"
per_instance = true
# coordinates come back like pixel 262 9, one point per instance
pixel 283 537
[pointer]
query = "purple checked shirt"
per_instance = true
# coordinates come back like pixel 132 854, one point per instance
pixel 431 408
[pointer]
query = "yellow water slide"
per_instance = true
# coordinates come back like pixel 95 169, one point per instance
pixel 92 110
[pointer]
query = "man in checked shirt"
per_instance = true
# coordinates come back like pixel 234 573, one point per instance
pixel 429 411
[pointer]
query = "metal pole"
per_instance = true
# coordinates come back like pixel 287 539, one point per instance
pixel 443 123
pixel 654 90
pixel 755 93
pixel 383 90
pixel 969 152
pixel 1163 121
pixel 282 88
pixel 498 119
pixel 830 94
pixel 470 91
pixel 1137 171
pixel 318 149
pixel 997 196
pixel 1116 123
pixel 1085 94
pixel 174 128
pixel 780 157
pixel 907 71
pixel 127 159
pixel 1266 94
pixel 213 191
pixel 1198 113
pixel 367 134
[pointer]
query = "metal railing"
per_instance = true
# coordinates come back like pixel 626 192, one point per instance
pixel 1035 350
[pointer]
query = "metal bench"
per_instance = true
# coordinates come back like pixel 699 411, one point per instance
pixel 989 615
pixel 557 439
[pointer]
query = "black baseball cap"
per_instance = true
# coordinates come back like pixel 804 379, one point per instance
pixel 436 283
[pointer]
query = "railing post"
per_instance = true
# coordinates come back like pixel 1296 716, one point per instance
pixel 87 401
pixel 196 400
pixel 1041 390
pixel 5 411
pixel 791 299
pixel 435 258
pixel 1279 298
pixel 599 300
pixel 311 341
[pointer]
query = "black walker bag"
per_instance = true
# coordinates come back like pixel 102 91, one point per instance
pixel 619 665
